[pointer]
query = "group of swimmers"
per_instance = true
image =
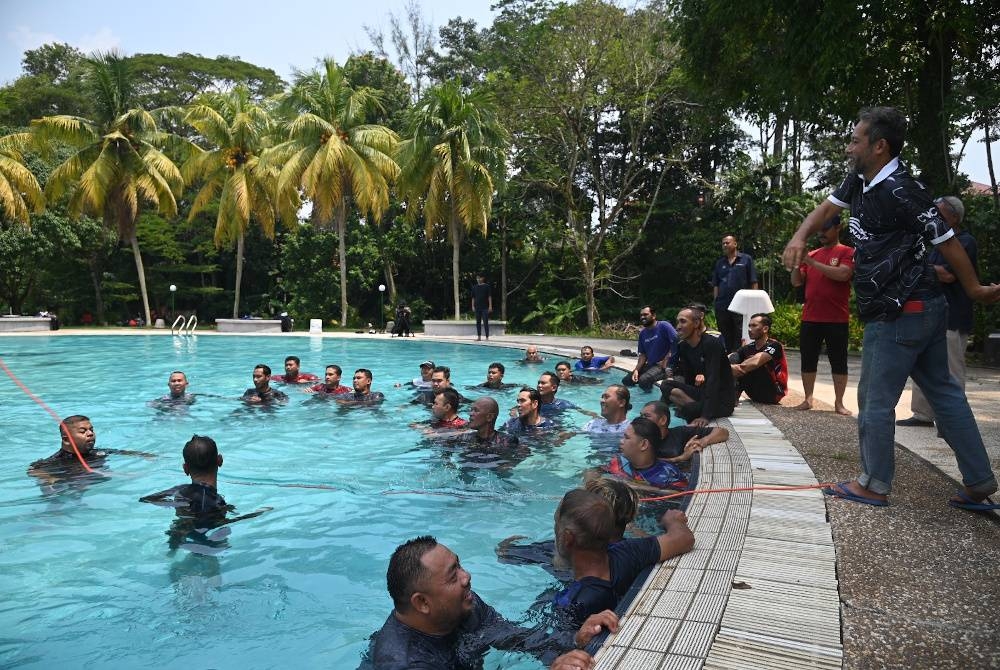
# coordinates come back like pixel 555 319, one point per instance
pixel 599 565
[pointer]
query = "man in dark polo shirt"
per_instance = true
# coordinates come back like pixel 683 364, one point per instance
pixel 733 272
pixel 894 224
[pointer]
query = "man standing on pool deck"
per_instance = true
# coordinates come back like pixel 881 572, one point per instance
pixel 893 223
pixel 262 391
pixel 732 272
pixel 657 343
pixel 482 305
pixel 439 622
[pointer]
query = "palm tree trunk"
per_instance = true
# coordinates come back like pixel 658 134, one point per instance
pixel 134 242
pixel 341 216
pixel 95 277
pixel 456 242
pixel 240 242
pixel 989 165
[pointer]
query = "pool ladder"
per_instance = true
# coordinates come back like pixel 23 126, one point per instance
pixel 183 325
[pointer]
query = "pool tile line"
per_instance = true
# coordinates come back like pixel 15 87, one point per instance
pixel 777 546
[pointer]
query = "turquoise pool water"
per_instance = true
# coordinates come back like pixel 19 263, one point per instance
pixel 88 579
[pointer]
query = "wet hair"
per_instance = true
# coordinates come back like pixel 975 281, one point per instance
pixel 764 319
pixel 201 455
pixel 499 366
pixel 492 407
pixel 293 358
pixel 69 422
pixel 646 430
pixel 533 393
pixel 553 377
pixel 406 570
pixel 261 366
pixel 337 369
pixel 623 499
pixel 659 407
pixel 451 397
pixel 586 347
pixel 624 396
pixel 588 515
pixel 367 373
pixel 885 123
pixel 445 369
pixel 564 363
pixel 178 372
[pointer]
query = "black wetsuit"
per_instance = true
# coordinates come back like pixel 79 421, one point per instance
pixel 271 395
pixel 673 444
pixel 396 646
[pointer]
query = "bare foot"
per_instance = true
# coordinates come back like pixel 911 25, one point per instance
pixel 842 411
pixel 805 404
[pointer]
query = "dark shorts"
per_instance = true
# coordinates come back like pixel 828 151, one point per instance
pixel 812 335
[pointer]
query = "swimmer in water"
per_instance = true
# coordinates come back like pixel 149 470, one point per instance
pixel 494 379
pixel 531 355
pixel 331 384
pixel 262 391
pixel 293 375
pixel 177 383
pixel 363 394
pixel 566 376
pixel 528 418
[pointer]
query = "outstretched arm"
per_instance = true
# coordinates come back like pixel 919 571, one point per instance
pixel 796 251
pixel 678 539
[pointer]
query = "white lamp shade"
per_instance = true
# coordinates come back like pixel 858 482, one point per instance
pixel 751 301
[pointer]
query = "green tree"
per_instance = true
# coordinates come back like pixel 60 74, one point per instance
pixel 333 156
pixel 117 163
pixel 20 193
pixel 51 83
pixel 456 146
pixel 237 131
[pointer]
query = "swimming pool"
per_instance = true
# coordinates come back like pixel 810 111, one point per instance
pixel 88 578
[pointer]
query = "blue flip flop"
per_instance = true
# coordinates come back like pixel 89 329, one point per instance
pixel 967 503
pixel 841 491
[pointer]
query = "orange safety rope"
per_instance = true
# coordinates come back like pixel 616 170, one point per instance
pixel 679 494
pixel 63 428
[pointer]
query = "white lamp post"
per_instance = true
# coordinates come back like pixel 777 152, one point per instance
pixel 173 300
pixel 381 307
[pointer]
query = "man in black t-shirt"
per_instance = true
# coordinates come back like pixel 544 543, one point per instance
pixel 707 390
pixel 439 622
pixel 680 443
pixel 760 368
pixel 482 305
pixel 894 224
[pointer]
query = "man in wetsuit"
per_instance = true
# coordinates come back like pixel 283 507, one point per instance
pixel 603 574
pixel 445 411
pixel 548 386
pixel 564 370
pixel 482 418
pixel 682 442
pixel 177 383
pixel 363 394
pixel 439 623
pixel 528 418
pixel 759 367
pixel 262 393
pixel 76 448
pixel 331 383
pixel 199 499
pixel 494 379
pixel 293 375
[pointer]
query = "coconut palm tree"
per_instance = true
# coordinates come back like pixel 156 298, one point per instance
pixel 456 147
pixel 237 130
pixel 333 157
pixel 20 194
pixel 117 164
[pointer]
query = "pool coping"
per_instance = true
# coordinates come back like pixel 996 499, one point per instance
pixel 759 589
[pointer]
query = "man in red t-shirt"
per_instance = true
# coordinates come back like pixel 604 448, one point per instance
pixel 826 273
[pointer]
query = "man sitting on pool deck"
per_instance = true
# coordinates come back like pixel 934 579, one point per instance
pixel 565 373
pixel 439 622
pixel 293 375
pixel 363 394
pixel 76 448
pixel 331 383
pixel 637 463
pixel 528 418
pixel 680 443
pixel 588 361
pixel 759 367
pixel 707 390
pixel 603 574
pixel 615 404
pixel 262 391
pixel 178 396
pixel 494 379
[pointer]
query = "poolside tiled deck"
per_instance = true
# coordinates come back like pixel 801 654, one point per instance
pixel 759 590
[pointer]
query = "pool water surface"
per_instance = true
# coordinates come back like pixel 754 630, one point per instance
pixel 86 573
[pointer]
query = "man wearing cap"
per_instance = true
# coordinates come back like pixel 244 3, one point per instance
pixel 826 273
pixel 424 380
pixel 959 310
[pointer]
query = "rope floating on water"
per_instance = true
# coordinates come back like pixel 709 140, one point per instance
pixel 63 428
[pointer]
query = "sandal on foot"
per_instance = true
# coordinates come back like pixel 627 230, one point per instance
pixel 967 503
pixel 841 491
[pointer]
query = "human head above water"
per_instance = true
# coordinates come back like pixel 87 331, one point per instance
pixel 81 430
pixel 201 456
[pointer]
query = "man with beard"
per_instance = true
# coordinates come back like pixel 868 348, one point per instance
pixel 657 343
